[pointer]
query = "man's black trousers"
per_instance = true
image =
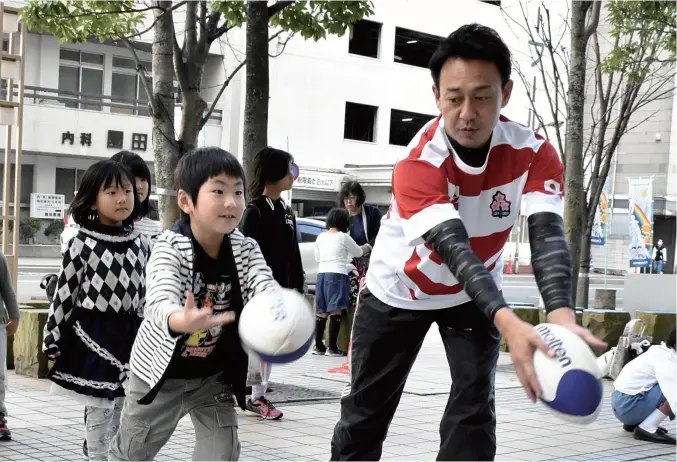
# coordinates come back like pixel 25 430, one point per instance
pixel 385 342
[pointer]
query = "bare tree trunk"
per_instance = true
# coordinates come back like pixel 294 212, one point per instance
pixel 165 148
pixel 257 83
pixel 191 61
pixel 574 198
pixel 583 287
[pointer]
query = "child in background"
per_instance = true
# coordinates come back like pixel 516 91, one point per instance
pixel 645 392
pixel 333 250
pixel 146 226
pixel 271 222
pixel 93 319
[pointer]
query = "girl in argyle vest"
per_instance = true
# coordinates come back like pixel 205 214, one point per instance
pixel 97 307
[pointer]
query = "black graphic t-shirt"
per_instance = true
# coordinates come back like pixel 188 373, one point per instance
pixel 203 353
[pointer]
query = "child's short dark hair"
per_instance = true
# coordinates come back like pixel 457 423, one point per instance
pixel 139 169
pixel 670 342
pixel 196 167
pixel 339 219
pixel 352 188
pixel 102 174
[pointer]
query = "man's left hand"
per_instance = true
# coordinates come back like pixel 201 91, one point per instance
pixel 567 317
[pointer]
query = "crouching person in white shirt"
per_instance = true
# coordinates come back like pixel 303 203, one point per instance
pixel 645 392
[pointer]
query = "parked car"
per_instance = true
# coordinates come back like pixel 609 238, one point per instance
pixel 70 229
pixel 307 230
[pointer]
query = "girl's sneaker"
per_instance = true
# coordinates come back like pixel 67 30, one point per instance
pixel 263 408
pixel 334 352
pixel 319 350
pixel 5 434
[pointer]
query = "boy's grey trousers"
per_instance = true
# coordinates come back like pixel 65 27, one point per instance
pixel 144 429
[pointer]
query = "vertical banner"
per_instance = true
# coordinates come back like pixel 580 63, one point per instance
pixel 640 194
pixel 600 226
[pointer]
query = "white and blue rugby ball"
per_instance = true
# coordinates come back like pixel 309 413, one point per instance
pixel 277 325
pixel 571 381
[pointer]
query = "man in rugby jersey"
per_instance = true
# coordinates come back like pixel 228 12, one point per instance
pixel 438 257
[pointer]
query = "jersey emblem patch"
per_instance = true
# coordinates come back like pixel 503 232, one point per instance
pixel 500 205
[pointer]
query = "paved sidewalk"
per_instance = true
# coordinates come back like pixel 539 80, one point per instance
pixel 48 427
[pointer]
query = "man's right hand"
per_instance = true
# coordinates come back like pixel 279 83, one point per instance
pixel 193 319
pixel 522 341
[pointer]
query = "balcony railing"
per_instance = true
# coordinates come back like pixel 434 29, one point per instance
pixel 90 101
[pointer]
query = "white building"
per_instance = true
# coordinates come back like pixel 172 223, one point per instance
pixel 344 108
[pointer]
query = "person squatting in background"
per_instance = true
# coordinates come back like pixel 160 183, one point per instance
pixel 9 323
pixel 139 168
pixel 645 392
pixel 271 222
pixel 94 317
pixel 333 251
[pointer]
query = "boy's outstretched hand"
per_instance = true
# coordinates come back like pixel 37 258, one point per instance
pixel 193 319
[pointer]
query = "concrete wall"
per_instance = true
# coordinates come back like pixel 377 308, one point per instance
pixel 653 292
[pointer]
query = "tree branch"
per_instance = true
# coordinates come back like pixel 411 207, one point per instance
pixel 276 7
pixel 273 9
pixel 284 46
pixel 206 117
pixel 157 18
pixel 190 35
pixel 594 20
pixel 141 69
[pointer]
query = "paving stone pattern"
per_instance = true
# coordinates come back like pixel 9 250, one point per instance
pixel 47 427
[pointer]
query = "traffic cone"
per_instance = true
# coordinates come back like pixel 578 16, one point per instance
pixel 345 367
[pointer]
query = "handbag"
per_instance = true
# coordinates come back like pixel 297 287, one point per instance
pixel 632 337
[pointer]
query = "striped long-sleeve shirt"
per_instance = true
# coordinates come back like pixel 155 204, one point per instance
pixel 169 275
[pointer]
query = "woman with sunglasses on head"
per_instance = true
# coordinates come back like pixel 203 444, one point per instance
pixel 271 222
pixel 365 220
pixel 365 223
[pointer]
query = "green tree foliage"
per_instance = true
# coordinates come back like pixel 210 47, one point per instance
pixel 638 27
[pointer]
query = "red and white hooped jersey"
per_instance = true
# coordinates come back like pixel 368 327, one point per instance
pixel 433 185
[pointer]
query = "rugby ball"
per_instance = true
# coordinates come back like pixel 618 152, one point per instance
pixel 571 381
pixel 277 325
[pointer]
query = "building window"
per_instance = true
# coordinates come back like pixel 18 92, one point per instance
pixel 360 122
pixel 69 182
pixel 366 39
pixel 414 48
pixel 81 78
pixel 127 87
pixel 404 125
pixel 115 139
pixel 26 183
pixel 490 2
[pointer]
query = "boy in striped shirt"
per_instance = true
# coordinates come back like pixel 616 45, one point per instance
pixel 187 357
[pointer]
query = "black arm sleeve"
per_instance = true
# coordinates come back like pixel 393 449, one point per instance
pixel 550 259
pixel 450 241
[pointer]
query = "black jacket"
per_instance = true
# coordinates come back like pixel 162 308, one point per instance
pixel 271 223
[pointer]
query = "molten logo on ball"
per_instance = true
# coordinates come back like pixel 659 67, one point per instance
pixel 555 344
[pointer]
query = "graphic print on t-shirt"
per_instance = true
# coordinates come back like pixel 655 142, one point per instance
pixel 214 295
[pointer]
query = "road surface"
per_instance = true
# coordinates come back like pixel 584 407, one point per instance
pixel 516 289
